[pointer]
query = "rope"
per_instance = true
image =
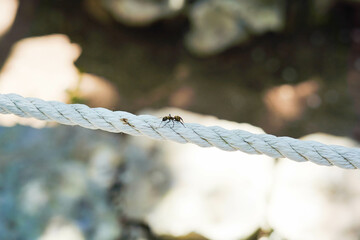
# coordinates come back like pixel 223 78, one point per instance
pixel 155 128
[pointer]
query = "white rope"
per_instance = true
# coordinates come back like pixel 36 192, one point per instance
pixel 228 140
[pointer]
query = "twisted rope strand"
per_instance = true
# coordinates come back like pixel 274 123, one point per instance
pixel 228 140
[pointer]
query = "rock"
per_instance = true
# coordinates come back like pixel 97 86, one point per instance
pixel 54 182
pixel 142 12
pixel 179 189
pixel 61 229
pixel 97 92
pixel 316 202
pixel 217 25
pixel 43 67
pixel 8 9
pixel 289 102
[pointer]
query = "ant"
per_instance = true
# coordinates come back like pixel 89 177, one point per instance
pixel 126 121
pixel 171 118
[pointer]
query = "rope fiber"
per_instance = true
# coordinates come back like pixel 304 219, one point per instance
pixel 153 127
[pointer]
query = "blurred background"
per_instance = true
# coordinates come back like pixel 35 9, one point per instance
pixel 291 68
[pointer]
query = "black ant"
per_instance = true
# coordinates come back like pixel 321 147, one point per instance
pixel 173 119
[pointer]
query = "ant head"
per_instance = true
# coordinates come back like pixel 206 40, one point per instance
pixel 165 118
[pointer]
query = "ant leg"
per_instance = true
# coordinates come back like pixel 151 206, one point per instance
pixel 182 123
pixel 163 122
pixel 166 122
